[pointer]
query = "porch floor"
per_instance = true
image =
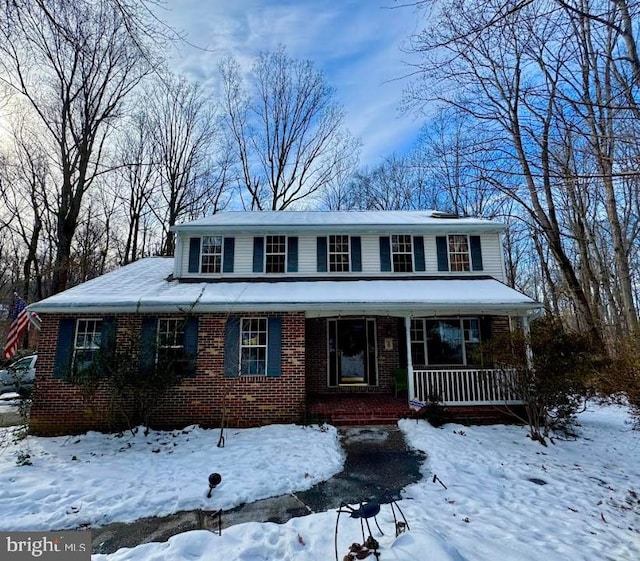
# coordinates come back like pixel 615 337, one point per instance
pixel 357 409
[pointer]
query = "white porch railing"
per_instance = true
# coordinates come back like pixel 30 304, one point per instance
pixel 465 386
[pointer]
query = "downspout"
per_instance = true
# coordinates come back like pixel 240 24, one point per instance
pixel 410 385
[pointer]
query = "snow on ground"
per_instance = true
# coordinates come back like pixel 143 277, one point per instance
pixel 96 478
pixel 588 508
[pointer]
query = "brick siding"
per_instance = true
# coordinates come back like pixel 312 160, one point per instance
pixel 60 407
pixel 387 359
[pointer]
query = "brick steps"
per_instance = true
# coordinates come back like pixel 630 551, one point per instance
pixel 358 409
pixel 386 409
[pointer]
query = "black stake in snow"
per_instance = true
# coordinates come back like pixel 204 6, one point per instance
pixel 436 478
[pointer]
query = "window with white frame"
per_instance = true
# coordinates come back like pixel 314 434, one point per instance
pixel 86 342
pixel 339 254
pixel 170 341
pixel 276 254
pixel 458 247
pixel 211 254
pixel 401 253
pixel 447 341
pixel 253 346
pixel 418 347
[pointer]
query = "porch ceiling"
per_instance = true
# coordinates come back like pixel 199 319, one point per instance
pixel 145 286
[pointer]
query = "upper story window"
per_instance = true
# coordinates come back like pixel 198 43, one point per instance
pixel 253 346
pixel 401 253
pixel 211 254
pixel 459 253
pixel 440 342
pixel 87 341
pixel 275 254
pixel 338 254
pixel 458 247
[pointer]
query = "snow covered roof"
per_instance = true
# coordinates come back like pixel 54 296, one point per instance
pixel 144 286
pixel 346 220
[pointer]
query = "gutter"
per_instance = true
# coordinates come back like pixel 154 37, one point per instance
pixel 402 308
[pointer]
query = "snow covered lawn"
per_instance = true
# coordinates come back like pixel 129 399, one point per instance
pixel 507 498
pixel 588 509
pixel 96 478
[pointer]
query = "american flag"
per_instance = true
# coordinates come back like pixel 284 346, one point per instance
pixel 19 324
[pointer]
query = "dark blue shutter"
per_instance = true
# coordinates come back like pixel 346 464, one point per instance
pixel 191 345
pixel 274 347
pixel 148 332
pixel 64 350
pixel 476 253
pixel 385 253
pixel 229 247
pixel 356 254
pixel 107 343
pixel 194 255
pixel 258 255
pixel 321 254
pixel 418 253
pixel 292 254
pixel 443 255
pixel 232 348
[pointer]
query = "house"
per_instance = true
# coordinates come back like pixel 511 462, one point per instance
pixel 266 312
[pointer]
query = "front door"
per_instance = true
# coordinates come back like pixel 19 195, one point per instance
pixel 352 352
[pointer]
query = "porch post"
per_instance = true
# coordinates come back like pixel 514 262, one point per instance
pixel 527 332
pixel 410 385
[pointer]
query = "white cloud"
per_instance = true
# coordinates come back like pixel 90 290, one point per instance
pixel 357 44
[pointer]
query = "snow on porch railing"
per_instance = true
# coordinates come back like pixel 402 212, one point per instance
pixel 465 386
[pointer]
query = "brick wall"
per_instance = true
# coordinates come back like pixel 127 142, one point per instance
pixel 387 359
pixel 60 407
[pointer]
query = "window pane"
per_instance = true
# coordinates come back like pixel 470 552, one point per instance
pixel 339 254
pixel 417 354
pixel 459 252
pixel 170 341
pixel 253 346
pixel 275 254
pixel 401 253
pixel 211 254
pixel 87 343
pixel 444 342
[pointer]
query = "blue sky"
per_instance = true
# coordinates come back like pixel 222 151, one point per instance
pixel 356 43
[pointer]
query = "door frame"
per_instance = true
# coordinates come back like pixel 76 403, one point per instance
pixel 371 355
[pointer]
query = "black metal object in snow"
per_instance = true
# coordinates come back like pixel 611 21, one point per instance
pixel 218 514
pixel 214 481
pixel 366 511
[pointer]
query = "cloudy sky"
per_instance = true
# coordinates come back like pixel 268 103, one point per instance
pixel 356 43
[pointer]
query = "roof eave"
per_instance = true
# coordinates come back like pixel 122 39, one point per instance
pixel 403 308
pixel 438 227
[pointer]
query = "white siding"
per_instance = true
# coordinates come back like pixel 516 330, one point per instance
pixel 243 259
pixel 307 263
pixel 492 256
pixel 370 254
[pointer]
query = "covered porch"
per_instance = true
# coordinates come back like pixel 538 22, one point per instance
pixel 361 358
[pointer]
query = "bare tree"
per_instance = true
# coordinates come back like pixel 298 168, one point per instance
pixel 74 62
pixel 544 83
pixel 287 130
pixel 24 183
pixel 189 160
pixel 133 185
